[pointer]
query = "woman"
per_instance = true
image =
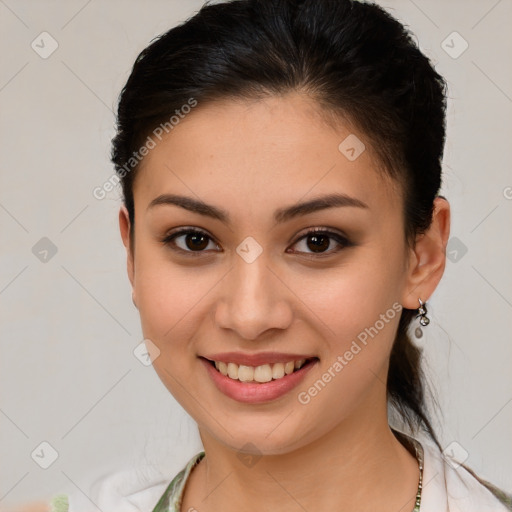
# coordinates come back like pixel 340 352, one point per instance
pixel 281 165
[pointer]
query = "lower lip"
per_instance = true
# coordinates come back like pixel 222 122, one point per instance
pixel 255 392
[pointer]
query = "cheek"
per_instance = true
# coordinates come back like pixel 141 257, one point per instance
pixel 356 312
pixel 168 304
pixel 173 302
pixel 353 297
pixel 166 300
pixel 165 292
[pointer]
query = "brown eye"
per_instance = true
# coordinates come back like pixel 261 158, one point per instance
pixel 318 241
pixel 196 241
pixel 192 241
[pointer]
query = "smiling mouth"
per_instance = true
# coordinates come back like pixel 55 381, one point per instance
pixel 262 373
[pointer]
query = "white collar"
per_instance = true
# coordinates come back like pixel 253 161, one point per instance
pixel 449 487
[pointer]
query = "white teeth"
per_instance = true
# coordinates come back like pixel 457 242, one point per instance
pixel 223 368
pixel 278 371
pixel 262 373
pixel 245 373
pixel 233 370
pixel 289 367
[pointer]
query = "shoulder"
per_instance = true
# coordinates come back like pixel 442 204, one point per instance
pixel 131 489
pixel 504 497
pixel 134 489
pixel 455 487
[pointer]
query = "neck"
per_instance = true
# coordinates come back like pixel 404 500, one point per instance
pixel 350 468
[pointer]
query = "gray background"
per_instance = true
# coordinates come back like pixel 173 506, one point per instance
pixel 68 327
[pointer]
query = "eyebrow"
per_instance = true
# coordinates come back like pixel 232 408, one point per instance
pixel 280 215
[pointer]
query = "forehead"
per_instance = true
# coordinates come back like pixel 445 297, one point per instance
pixel 249 155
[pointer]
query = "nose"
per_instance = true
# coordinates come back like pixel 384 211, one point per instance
pixel 254 300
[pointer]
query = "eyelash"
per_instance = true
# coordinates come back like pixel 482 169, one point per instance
pixel 340 239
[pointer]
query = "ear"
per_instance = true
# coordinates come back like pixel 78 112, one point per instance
pixel 125 228
pixel 428 258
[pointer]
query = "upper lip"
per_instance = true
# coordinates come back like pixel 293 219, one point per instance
pixel 257 359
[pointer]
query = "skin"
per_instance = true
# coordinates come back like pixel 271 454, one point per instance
pixel 250 158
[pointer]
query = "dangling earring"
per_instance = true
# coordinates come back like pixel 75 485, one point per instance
pixel 424 319
pixel 422 310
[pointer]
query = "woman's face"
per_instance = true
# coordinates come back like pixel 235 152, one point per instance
pixel 252 283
